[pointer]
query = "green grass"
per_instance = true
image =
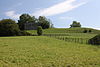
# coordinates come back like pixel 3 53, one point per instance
pixel 41 51
pixel 66 30
pixel 74 35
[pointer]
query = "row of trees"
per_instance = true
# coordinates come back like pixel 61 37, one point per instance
pixel 9 27
pixel 41 21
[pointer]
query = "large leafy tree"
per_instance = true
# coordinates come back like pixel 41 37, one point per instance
pixel 8 27
pixel 75 24
pixel 44 22
pixel 25 18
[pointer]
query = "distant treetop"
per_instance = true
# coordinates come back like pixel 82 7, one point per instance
pixel 75 24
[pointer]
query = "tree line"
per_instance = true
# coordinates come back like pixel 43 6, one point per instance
pixel 9 27
pixel 41 21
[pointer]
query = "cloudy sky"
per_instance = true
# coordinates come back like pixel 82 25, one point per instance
pixel 61 12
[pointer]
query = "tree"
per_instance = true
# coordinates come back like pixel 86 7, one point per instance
pixel 25 18
pixel 75 24
pixel 39 30
pixel 41 21
pixel 9 27
pixel 44 22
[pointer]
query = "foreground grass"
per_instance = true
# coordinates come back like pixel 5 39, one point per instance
pixel 46 52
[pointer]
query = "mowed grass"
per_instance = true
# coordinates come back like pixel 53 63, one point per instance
pixel 41 51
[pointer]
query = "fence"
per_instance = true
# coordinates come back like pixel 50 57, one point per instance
pixel 68 39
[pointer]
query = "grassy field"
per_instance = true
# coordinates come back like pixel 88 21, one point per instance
pixel 65 30
pixel 75 35
pixel 56 48
pixel 41 51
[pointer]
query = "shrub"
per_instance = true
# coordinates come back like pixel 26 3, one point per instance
pixel 8 27
pixel 95 40
pixel 85 31
pixel 90 31
pixel 39 30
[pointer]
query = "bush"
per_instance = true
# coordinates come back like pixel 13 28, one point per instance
pixel 95 40
pixel 8 27
pixel 39 30
pixel 90 31
pixel 85 31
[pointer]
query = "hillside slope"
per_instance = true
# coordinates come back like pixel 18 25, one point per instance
pixel 66 30
pixel 40 51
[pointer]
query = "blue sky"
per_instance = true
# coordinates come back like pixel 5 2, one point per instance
pixel 61 12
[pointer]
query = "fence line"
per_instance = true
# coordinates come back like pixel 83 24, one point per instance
pixel 67 39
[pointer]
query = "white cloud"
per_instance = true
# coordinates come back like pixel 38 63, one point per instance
pixel 58 8
pixel 12 14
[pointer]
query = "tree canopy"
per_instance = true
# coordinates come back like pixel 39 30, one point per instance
pixel 44 22
pixel 41 21
pixel 8 27
pixel 75 24
pixel 25 18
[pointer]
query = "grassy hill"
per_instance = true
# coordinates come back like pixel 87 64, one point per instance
pixel 41 51
pixel 66 30
pixel 75 35
pixel 56 48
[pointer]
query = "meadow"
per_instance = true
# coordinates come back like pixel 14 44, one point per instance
pixel 75 35
pixel 65 30
pixel 49 50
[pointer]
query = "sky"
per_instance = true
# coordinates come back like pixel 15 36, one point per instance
pixel 61 12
